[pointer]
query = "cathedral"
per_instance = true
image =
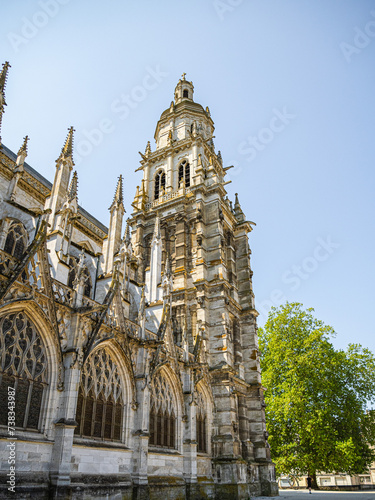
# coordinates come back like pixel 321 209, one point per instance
pixel 129 361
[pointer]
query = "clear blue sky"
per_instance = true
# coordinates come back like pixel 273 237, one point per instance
pixel 290 86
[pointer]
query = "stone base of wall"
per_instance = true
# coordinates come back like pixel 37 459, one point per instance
pixel 115 487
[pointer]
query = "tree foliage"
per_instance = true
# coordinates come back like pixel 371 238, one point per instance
pixel 316 396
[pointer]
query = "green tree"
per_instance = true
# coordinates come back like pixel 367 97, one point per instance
pixel 316 396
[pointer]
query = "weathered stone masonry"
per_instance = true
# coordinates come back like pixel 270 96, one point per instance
pixel 134 355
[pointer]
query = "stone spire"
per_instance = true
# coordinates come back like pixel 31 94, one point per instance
pixel 67 150
pixel 73 188
pixel 148 149
pixel 22 152
pixel 18 171
pixel 23 148
pixel 118 198
pixel 113 242
pixel 3 82
pixel 59 191
pixel 127 233
pixel 238 213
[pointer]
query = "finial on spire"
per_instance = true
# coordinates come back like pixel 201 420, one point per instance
pixel 236 202
pixel 3 82
pixel 183 76
pixel 67 150
pixel 238 213
pixel 73 188
pixel 148 148
pixel 23 148
pixel 118 197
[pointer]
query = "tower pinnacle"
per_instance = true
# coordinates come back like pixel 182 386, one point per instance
pixel 238 213
pixel 73 188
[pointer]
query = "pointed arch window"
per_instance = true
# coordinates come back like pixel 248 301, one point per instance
pixel 201 424
pixel 159 184
pixel 184 174
pixel 16 240
pixel 100 399
pixel 162 414
pixel 23 366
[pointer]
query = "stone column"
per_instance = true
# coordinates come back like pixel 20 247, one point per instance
pixel 169 183
pixel 190 440
pixel 141 429
pixel 65 424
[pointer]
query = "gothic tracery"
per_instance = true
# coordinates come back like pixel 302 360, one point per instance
pixel 100 398
pixel 23 365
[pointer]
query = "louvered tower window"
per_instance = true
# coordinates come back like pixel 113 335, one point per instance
pixel 159 184
pixel 184 174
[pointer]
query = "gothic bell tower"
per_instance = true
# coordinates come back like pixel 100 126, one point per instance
pixel 182 213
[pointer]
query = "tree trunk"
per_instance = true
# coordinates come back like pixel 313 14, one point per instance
pixel 314 482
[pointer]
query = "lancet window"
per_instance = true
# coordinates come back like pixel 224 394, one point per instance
pixel 159 184
pixel 23 366
pixel 201 423
pixel 73 265
pixel 100 405
pixel 147 249
pixel 16 240
pixel 162 414
pixel 184 174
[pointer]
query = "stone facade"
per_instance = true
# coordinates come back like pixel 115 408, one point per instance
pixel 134 356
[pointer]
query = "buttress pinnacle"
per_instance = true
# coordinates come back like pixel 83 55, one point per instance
pixel 118 197
pixel 73 188
pixel 238 213
pixel 67 149
pixel 127 233
pixel 3 82
pixel 23 148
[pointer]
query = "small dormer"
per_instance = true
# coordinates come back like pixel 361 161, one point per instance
pixel 183 90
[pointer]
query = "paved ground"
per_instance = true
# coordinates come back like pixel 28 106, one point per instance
pixel 324 495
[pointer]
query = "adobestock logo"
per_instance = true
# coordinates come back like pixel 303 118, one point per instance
pixel 120 109
pixel 361 40
pixel 31 26
pixel 296 274
pixel 223 7
pixel 256 143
